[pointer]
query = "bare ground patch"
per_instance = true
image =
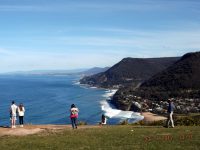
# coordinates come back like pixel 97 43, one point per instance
pixel 35 129
pixel 150 117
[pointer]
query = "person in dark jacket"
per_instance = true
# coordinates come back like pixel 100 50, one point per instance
pixel 170 111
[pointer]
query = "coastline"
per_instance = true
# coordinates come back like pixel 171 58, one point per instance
pixel 148 116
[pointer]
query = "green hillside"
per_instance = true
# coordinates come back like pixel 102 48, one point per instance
pixel 129 71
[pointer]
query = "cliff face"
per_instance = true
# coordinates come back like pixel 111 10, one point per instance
pixel 129 71
pixel 180 81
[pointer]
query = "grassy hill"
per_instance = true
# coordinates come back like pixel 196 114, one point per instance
pixel 179 82
pixel 108 137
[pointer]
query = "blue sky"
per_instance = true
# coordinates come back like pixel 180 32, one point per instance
pixel 71 34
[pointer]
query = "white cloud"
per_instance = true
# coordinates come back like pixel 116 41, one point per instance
pixel 89 51
pixel 41 60
pixel 21 8
pixel 141 40
pixel 4 52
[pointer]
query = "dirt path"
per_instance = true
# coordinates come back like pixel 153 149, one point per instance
pixel 34 129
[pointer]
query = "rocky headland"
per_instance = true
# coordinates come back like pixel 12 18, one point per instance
pixel 179 82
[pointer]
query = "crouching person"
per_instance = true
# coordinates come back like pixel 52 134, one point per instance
pixel 103 120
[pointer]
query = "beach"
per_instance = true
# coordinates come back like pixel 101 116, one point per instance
pixel 150 117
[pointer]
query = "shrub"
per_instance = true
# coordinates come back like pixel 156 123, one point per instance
pixel 124 122
pixel 187 120
pixel 82 123
pixel 139 123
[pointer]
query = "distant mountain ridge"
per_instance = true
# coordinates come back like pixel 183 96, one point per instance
pixel 83 72
pixel 129 71
pixel 94 70
pixel 47 72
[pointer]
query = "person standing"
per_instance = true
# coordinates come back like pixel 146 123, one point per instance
pixel 170 111
pixel 13 114
pixel 21 111
pixel 74 116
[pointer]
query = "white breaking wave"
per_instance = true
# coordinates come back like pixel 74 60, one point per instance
pixel 93 87
pixel 109 93
pixel 116 113
pixel 76 83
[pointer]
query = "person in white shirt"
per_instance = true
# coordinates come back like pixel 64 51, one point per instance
pixel 13 114
pixel 74 116
pixel 21 111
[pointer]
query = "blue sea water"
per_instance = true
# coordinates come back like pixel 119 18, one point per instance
pixel 47 99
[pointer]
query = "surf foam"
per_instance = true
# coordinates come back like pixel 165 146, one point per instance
pixel 116 113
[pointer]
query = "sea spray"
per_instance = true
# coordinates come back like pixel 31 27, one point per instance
pixel 109 93
pixel 116 113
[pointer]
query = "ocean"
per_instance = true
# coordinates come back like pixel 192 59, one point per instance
pixel 47 100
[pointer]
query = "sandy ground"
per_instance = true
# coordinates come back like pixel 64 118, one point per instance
pixel 34 129
pixel 150 117
pixel 26 130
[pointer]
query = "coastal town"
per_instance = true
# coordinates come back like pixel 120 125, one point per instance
pixel 182 105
